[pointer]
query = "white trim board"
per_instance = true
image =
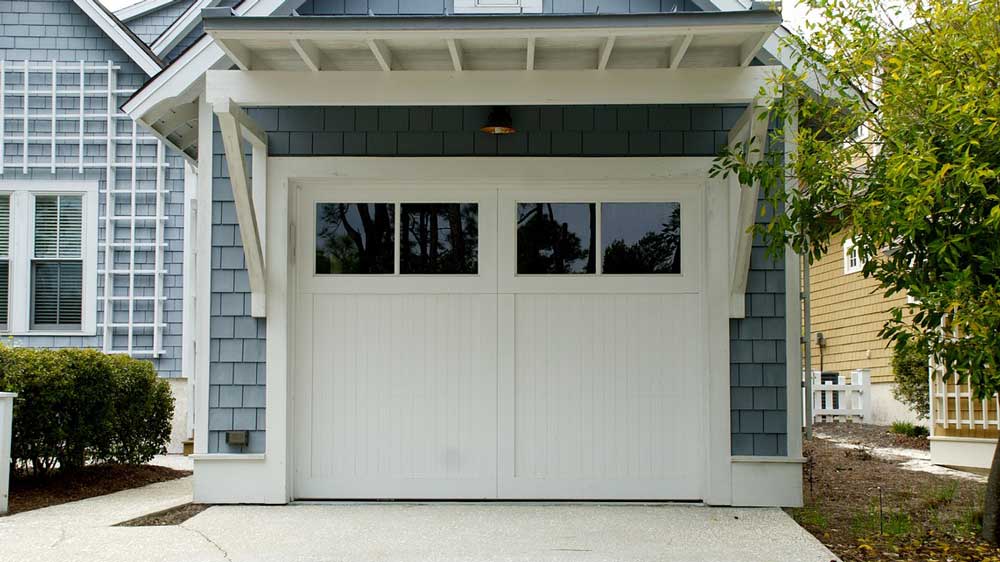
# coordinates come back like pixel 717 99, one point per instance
pixel 142 8
pixel 182 26
pixel 125 41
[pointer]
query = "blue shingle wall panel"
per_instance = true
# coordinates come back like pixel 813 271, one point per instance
pixel 758 394
pixel 47 30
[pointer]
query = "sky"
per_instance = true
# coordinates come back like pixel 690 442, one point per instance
pixel 793 13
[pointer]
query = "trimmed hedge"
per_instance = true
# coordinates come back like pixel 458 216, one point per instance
pixel 77 406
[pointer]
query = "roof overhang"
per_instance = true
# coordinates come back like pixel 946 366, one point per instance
pixel 473 60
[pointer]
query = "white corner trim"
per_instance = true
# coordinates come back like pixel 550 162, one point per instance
pixel 202 285
pixel 181 27
pixel 142 8
pixel 793 313
pixel 124 40
pixel 767 481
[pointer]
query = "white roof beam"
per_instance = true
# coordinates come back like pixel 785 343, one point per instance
pixel 233 123
pixel 177 116
pixel 241 56
pixel 750 48
pixel 530 64
pixel 309 53
pixel 484 87
pixel 605 53
pixel 382 53
pixel 677 55
pixel 455 50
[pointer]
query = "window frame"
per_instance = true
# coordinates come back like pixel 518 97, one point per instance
pixel 851 251
pixel 21 254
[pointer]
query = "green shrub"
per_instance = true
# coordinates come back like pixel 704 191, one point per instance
pixel 76 406
pixel 908 429
pixel 909 367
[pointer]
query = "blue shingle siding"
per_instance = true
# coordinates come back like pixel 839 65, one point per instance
pixel 757 361
pixel 430 7
pixel 149 26
pixel 47 30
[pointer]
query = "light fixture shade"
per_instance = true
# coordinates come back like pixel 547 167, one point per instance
pixel 499 122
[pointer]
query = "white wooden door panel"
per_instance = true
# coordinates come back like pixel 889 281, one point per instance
pixel 400 397
pixel 605 398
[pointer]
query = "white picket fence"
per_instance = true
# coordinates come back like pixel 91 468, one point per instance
pixel 842 401
pixel 6 417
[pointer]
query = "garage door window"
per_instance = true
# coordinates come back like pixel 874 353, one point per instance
pixel 636 238
pixel 355 238
pixel 640 238
pixel 555 238
pixel 439 238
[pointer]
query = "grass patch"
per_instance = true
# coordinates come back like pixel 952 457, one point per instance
pixel 877 521
pixel 908 429
pixel 811 517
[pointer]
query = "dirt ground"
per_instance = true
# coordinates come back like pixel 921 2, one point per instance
pixel 27 493
pixel 874 435
pixel 869 509
pixel 172 516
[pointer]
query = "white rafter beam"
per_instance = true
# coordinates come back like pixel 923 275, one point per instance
pixel 177 116
pixel 605 54
pixel 485 87
pixel 750 130
pixel 382 53
pixel 530 63
pixel 309 53
pixel 237 52
pixel 233 128
pixel 750 48
pixel 677 55
pixel 455 50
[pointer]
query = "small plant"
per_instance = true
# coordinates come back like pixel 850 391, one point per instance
pixel 908 429
pixel 942 496
pixel 874 521
pixel 811 517
pixel 909 369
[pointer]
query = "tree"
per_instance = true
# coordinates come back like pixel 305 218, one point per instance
pixel 917 189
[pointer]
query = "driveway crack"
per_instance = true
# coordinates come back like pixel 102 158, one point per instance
pixel 210 541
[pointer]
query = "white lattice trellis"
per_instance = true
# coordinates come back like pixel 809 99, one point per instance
pixel 62 117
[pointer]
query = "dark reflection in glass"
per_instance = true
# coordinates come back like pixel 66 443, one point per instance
pixel 439 238
pixel 556 237
pixel 355 238
pixel 641 237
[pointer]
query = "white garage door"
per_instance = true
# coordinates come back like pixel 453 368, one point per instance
pixel 485 342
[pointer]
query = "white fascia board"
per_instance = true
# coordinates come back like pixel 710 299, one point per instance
pixel 181 27
pixel 142 8
pixel 124 40
pixel 185 73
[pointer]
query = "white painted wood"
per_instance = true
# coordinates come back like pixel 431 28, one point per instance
pixel 530 64
pixel 190 302
pixel 203 277
pixel 6 421
pixel 141 8
pixel 746 209
pixel 126 41
pixel 751 47
pixel 793 307
pixel 605 54
pixel 237 52
pixel 683 85
pixel 677 55
pixel 455 50
pixel 232 125
pixel 309 54
pixel 378 369
pixel 381 53
pixel 498 6
pixel 181 27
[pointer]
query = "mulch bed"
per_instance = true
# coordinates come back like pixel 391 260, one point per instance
pixel 27 493
pixel 172 516
pixel 923 516
pixel 872 435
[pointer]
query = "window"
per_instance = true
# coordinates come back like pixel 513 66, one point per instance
pixel 360 238
pixel 439 238
pixel 635 238
pixel 48 257
pixel 57 263
pixel 852 261
pixel 498 6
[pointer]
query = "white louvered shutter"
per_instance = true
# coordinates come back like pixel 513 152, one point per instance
pixel 57 267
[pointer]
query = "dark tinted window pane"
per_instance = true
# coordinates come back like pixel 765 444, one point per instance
pixel 57 296
pixel 439 238
pixel 641 237
pixel 355 238
pixel 556 237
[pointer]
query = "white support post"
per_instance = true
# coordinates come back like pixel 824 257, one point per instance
pixel 234 125
pixel 6 429
pixel 752 123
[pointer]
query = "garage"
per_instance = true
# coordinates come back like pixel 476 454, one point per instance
pixel 526 338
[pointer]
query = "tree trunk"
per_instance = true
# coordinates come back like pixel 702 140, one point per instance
pixel 991 506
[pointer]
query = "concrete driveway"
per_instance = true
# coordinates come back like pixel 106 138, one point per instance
pixel 404 532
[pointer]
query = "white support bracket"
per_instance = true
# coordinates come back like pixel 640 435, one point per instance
pixel 751 130
pixel 235 126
